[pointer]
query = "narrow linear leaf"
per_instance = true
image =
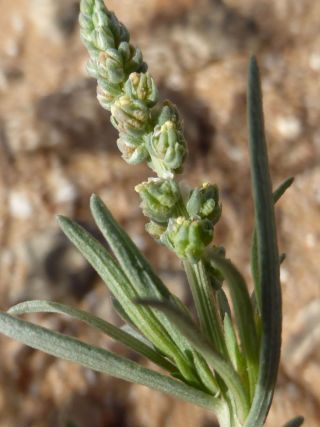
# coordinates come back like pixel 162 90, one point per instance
pixel 243 312
pixel 124 292
pixel 100 360
pixel 205 373
pixel 283 187
pixel 223 303
pixel 137 269
pixel 38 306
pixel 207 310
pixel 220 365
pixel 276 195
pixel 234 351
pixel 268 289
pixel 132 262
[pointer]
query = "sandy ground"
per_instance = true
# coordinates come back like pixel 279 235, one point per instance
pixel 57 147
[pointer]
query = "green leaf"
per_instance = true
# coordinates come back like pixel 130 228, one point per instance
pixel 200 343
pixel 277 194
pixel 124 292
pixel 207 309
pixel 268 286
pixel 243 314
pixel 283 187
pixel 137 269
pixel 38 306
pixel 100 360
pixel 130 259
pixel 235 354
pixel 223 303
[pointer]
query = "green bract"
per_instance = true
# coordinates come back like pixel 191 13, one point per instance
pixel 225 357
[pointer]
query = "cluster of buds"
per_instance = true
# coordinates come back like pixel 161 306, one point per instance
pixel 148 132
pixel 185 228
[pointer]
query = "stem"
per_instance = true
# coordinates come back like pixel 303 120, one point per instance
pixel 206 308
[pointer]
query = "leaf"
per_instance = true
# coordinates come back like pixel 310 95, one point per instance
pixel 283 187
pixel 128 255
pixel 100 360
pixel 207 310
pixel 243 312
pixel 223 303
pixel 107 328
pixel 137 269
pixel 144 280
pixel 235 354
pixel 196 339
pixel 276 195
pixel 268 286
pixel 124 292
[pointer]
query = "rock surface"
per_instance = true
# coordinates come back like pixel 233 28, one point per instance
pixel 57 147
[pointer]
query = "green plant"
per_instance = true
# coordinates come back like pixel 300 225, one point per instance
pixel 225 360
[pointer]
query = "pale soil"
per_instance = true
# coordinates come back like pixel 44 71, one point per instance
pixel 57 148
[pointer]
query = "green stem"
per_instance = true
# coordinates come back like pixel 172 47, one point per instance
pixel 206 308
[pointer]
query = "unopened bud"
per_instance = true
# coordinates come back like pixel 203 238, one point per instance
pixel 142 86
pixel 159 198
pixel 167 144
pixel 204 203
pixel 188 238
pixel 130 116
pixel 133 149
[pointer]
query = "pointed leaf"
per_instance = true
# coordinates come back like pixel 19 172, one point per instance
pixel 100 360
pixel 268 286
pixel 124 292
pixel 138 270
pixel 243 312
pixel 207 309
pixel 276 195
pixel 107 328
pixel 221 366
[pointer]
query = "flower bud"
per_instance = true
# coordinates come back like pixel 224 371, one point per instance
pixel 155 230
pixel 107 93
pixel 102 38
pixel 204 203
pixel 188 238
pixel 133 149
pixel 103 18
pixel 142 86
pixel 167 112
pixel 159 198
pixel 167 144
pixel 130 116
pixel 115 64
pixel 100 28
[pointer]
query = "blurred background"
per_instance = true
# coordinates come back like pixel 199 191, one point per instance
pixel 57 147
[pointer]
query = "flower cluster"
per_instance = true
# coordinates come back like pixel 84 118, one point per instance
pixel 149 131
